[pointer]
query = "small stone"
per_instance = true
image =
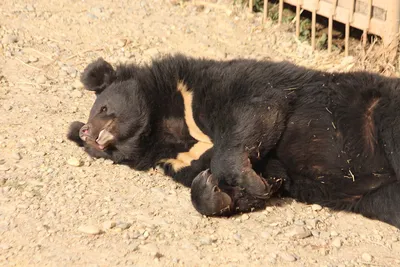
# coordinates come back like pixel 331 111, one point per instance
pixel 121 42
pixel 316 207
pixel 16 156
pixel 312 223
pixel 299 223
pixel 323 251
pixel 41 79
pixel 9 39
pixel 269 209
pixel 74 162
pixel 287 257
pixel 337 242
pixel 245 217
pixel 108 225
pixel 29 8
pixel 89 229
pixel 146 234
pixel 4 168
pixel 158 255
pixel 206 241
pixel 298 232
pixel 366 257
pixel 7 107
pixel 33 59
pixel 5 246
pixel 152 52
pixel 123 226
pixel 135 234
pixel 76 94
pixel 2 181
pixel 315 233
pixel 77 84
pixel 334 233
pixel 71 71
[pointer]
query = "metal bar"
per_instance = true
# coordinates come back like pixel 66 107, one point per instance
pixel 346 39
pixel 352 10
pixel 265 16
pixel 313 28
pixel 330 26
pixel 365 31
pixel 298 18
pixel 280 12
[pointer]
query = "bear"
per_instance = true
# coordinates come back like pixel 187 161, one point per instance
pixel 159 115
pixel 216 126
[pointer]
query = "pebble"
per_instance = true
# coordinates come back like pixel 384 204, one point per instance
pixel 269 209
pixel 16 156
pixel 245 217
pixel 334 233
pixel 77 84
pixel 135 234
pixel 76 94
pixel 33 59
pixel 4 168
pixel 2 181
pixel 299 223
pixel 108 225
pixel 146 234
pixel 30 8
pixel 9 39
pixel 152 52
pixel 366 257
pixel 74 162
pixel 123 226
pixel 89 229
pixel 5 246
pixel 337 242
pixel 287 257
pixel 298 232
pixel 312 223
pixel 316 207
pixel 41 79
pixel 70 70
pixel 7 107
pixel 206 241
pixel 121 42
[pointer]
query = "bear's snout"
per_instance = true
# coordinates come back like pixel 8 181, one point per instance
pixel 85 131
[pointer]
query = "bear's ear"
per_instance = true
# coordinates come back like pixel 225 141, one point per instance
pixel 98 75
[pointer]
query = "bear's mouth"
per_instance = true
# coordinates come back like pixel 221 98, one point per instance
pixel 104 139
pixel 100 141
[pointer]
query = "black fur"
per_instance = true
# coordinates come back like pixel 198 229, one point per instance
pixel 336 135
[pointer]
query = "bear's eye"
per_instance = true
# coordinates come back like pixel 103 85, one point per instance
pixel 103 109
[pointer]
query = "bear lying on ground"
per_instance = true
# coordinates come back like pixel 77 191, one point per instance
pixel 334 138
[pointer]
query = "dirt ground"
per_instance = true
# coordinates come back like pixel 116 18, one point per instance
pixel 60 208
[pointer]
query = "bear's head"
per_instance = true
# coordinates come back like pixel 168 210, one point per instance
pixel 118 114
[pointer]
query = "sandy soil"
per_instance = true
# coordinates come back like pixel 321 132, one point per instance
pixel 55 213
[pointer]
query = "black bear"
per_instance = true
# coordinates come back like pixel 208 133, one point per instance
pixel 332 137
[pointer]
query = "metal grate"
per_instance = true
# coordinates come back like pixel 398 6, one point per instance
pixel 379 17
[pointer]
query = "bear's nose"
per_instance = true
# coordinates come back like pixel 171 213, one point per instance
pixel 84 132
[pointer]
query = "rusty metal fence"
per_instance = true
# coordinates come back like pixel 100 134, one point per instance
pixel 378 17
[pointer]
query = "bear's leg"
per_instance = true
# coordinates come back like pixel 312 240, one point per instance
pixel 212 198
pixel 243 133
pixel 381 204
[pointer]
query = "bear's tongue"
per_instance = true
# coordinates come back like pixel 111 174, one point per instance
pixel 105 137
